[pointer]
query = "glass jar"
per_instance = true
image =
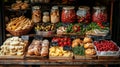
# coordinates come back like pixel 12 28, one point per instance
pixel 68 14
pixel 64 1
pixel 46 1
pixel 41 1
pixel 83 14
pixel 36 14
pixel 18 1
pixel 99 15
pixel 26 1
pixel 46 17
pixel 55 17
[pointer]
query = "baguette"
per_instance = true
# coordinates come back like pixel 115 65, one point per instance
pixel 19 27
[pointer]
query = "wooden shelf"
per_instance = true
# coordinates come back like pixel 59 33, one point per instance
pixel 54 35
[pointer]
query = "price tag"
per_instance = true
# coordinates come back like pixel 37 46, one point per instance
pixel 25 37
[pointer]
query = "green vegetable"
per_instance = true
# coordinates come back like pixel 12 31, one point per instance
pixel 69 28
pixel 79 50
pixel 59 24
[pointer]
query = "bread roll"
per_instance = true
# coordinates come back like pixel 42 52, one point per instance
pixel 90 52
pixel 88 45
pixel 87 40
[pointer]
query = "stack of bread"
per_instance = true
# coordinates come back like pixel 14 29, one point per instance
pixel 14 46
pixel 89 46
pixel 19 25
pixel 38 48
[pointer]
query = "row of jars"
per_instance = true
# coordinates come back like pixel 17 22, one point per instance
pixel 39 1
pixel 68 15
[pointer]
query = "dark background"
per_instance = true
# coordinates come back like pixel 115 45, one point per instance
pixel 116 22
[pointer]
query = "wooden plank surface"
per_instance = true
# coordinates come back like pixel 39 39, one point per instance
pixel 58 62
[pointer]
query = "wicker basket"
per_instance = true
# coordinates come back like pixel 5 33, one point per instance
pixel 20 32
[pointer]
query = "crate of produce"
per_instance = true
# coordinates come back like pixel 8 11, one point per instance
pixel 44 33
pixel 83 49
pixel 45 29
pixel 60 48
pixel 57 52
pixel 107 49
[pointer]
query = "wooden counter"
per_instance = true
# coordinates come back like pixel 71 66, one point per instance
pixel 57 62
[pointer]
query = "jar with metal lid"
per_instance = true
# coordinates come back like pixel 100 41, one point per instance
pixel 68 14
pixel 83 14
pixel 36 14
pixel 99 15
pixel 26 1
pixel 55 17
pixel 46 17
pixel 18 1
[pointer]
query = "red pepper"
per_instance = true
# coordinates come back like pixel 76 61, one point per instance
pixel 100 24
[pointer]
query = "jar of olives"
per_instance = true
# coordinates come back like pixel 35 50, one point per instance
pixel 83 14
pixel 68 14
pixel 99 15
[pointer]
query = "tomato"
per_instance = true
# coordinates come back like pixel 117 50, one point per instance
pixel 106 45
pixel 65 39
pixel 65 43
pixel 69 43
pixel 61 39
pixel 60 44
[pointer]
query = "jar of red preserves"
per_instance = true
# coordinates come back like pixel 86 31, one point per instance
pixel 83 14
pixel 68 14
pixel 99 15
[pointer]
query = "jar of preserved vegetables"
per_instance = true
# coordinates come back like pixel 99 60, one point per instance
pixel 83 14
pixel 99 15
pixel 68 14
pixel 55 17
pixel 46 17
pixel 36 14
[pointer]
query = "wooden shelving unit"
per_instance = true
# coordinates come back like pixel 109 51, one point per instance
pixel 58 62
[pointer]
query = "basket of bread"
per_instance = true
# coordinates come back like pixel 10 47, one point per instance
pixel 19 5
pixel 19 26
pixel 13 48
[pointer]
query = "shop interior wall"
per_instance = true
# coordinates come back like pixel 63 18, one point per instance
pixel 116 22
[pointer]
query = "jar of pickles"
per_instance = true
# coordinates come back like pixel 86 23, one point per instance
pixel 36 14
pixel 68 14
pixel 99 15
pixel 83 14
pixel 46 17
pixel 55 17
